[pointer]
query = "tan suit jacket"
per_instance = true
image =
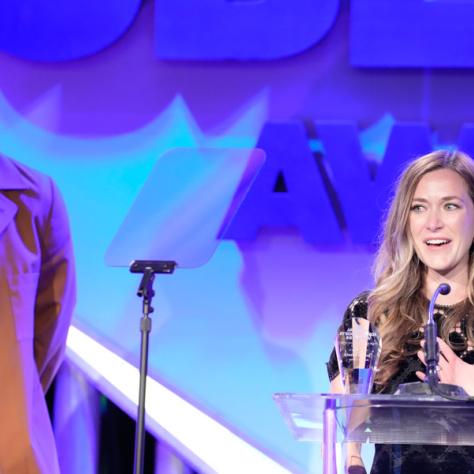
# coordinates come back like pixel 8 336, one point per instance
pixel 37 293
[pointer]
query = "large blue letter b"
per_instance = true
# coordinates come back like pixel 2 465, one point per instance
pixel 240 29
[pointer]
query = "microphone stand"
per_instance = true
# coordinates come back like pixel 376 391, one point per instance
pixel 431 343
pixel 432 386
pixel 148 268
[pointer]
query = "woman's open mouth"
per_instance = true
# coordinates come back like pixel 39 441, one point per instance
pixel 437 242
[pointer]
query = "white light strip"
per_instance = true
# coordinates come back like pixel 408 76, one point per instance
pixel 218 449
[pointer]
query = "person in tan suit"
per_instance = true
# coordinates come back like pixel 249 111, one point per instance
pixel 37 295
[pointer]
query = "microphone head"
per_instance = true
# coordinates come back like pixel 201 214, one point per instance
pixel 444 288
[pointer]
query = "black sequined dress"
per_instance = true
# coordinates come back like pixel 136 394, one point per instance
pixel 416 459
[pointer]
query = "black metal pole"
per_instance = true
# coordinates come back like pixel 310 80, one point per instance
pixel 149 268
pixel 146 291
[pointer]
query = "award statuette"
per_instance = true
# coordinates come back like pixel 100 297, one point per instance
pixel 358 348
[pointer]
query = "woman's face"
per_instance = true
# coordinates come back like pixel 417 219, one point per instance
pixel 441 223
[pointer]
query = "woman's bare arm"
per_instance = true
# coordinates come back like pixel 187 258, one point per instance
pixel 352 449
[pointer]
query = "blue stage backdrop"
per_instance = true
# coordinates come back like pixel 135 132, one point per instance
pixel 337 104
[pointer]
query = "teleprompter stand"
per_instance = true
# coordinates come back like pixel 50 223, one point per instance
pixel 149 268
pixel 180 215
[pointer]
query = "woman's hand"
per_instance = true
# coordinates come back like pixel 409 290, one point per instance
pixel 356 470
pixel 355 464
pixel 451 368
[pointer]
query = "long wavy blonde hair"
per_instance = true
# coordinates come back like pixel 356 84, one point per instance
pixel 397 305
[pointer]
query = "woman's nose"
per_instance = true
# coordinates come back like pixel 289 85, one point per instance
pixel 434 221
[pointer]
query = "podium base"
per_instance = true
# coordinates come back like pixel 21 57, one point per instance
pixel 422 388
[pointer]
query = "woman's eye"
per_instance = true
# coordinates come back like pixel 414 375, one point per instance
pixel 450 206
pixel 416 208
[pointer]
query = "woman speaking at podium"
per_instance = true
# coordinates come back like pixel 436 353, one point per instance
pixel 427 240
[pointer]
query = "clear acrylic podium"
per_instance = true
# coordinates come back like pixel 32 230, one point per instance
pixel 387 419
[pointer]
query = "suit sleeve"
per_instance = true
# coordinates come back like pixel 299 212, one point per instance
pixel 56 291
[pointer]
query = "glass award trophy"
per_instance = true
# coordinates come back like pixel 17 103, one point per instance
pixel 358 347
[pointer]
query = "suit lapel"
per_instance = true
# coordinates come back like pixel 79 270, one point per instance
pixel 7 211
pixel 10 176
pixel 10 179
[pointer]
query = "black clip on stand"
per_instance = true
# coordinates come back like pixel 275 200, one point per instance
pixel 149 268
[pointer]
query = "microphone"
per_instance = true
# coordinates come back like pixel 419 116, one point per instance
pixel 431 333
pixel 433 385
